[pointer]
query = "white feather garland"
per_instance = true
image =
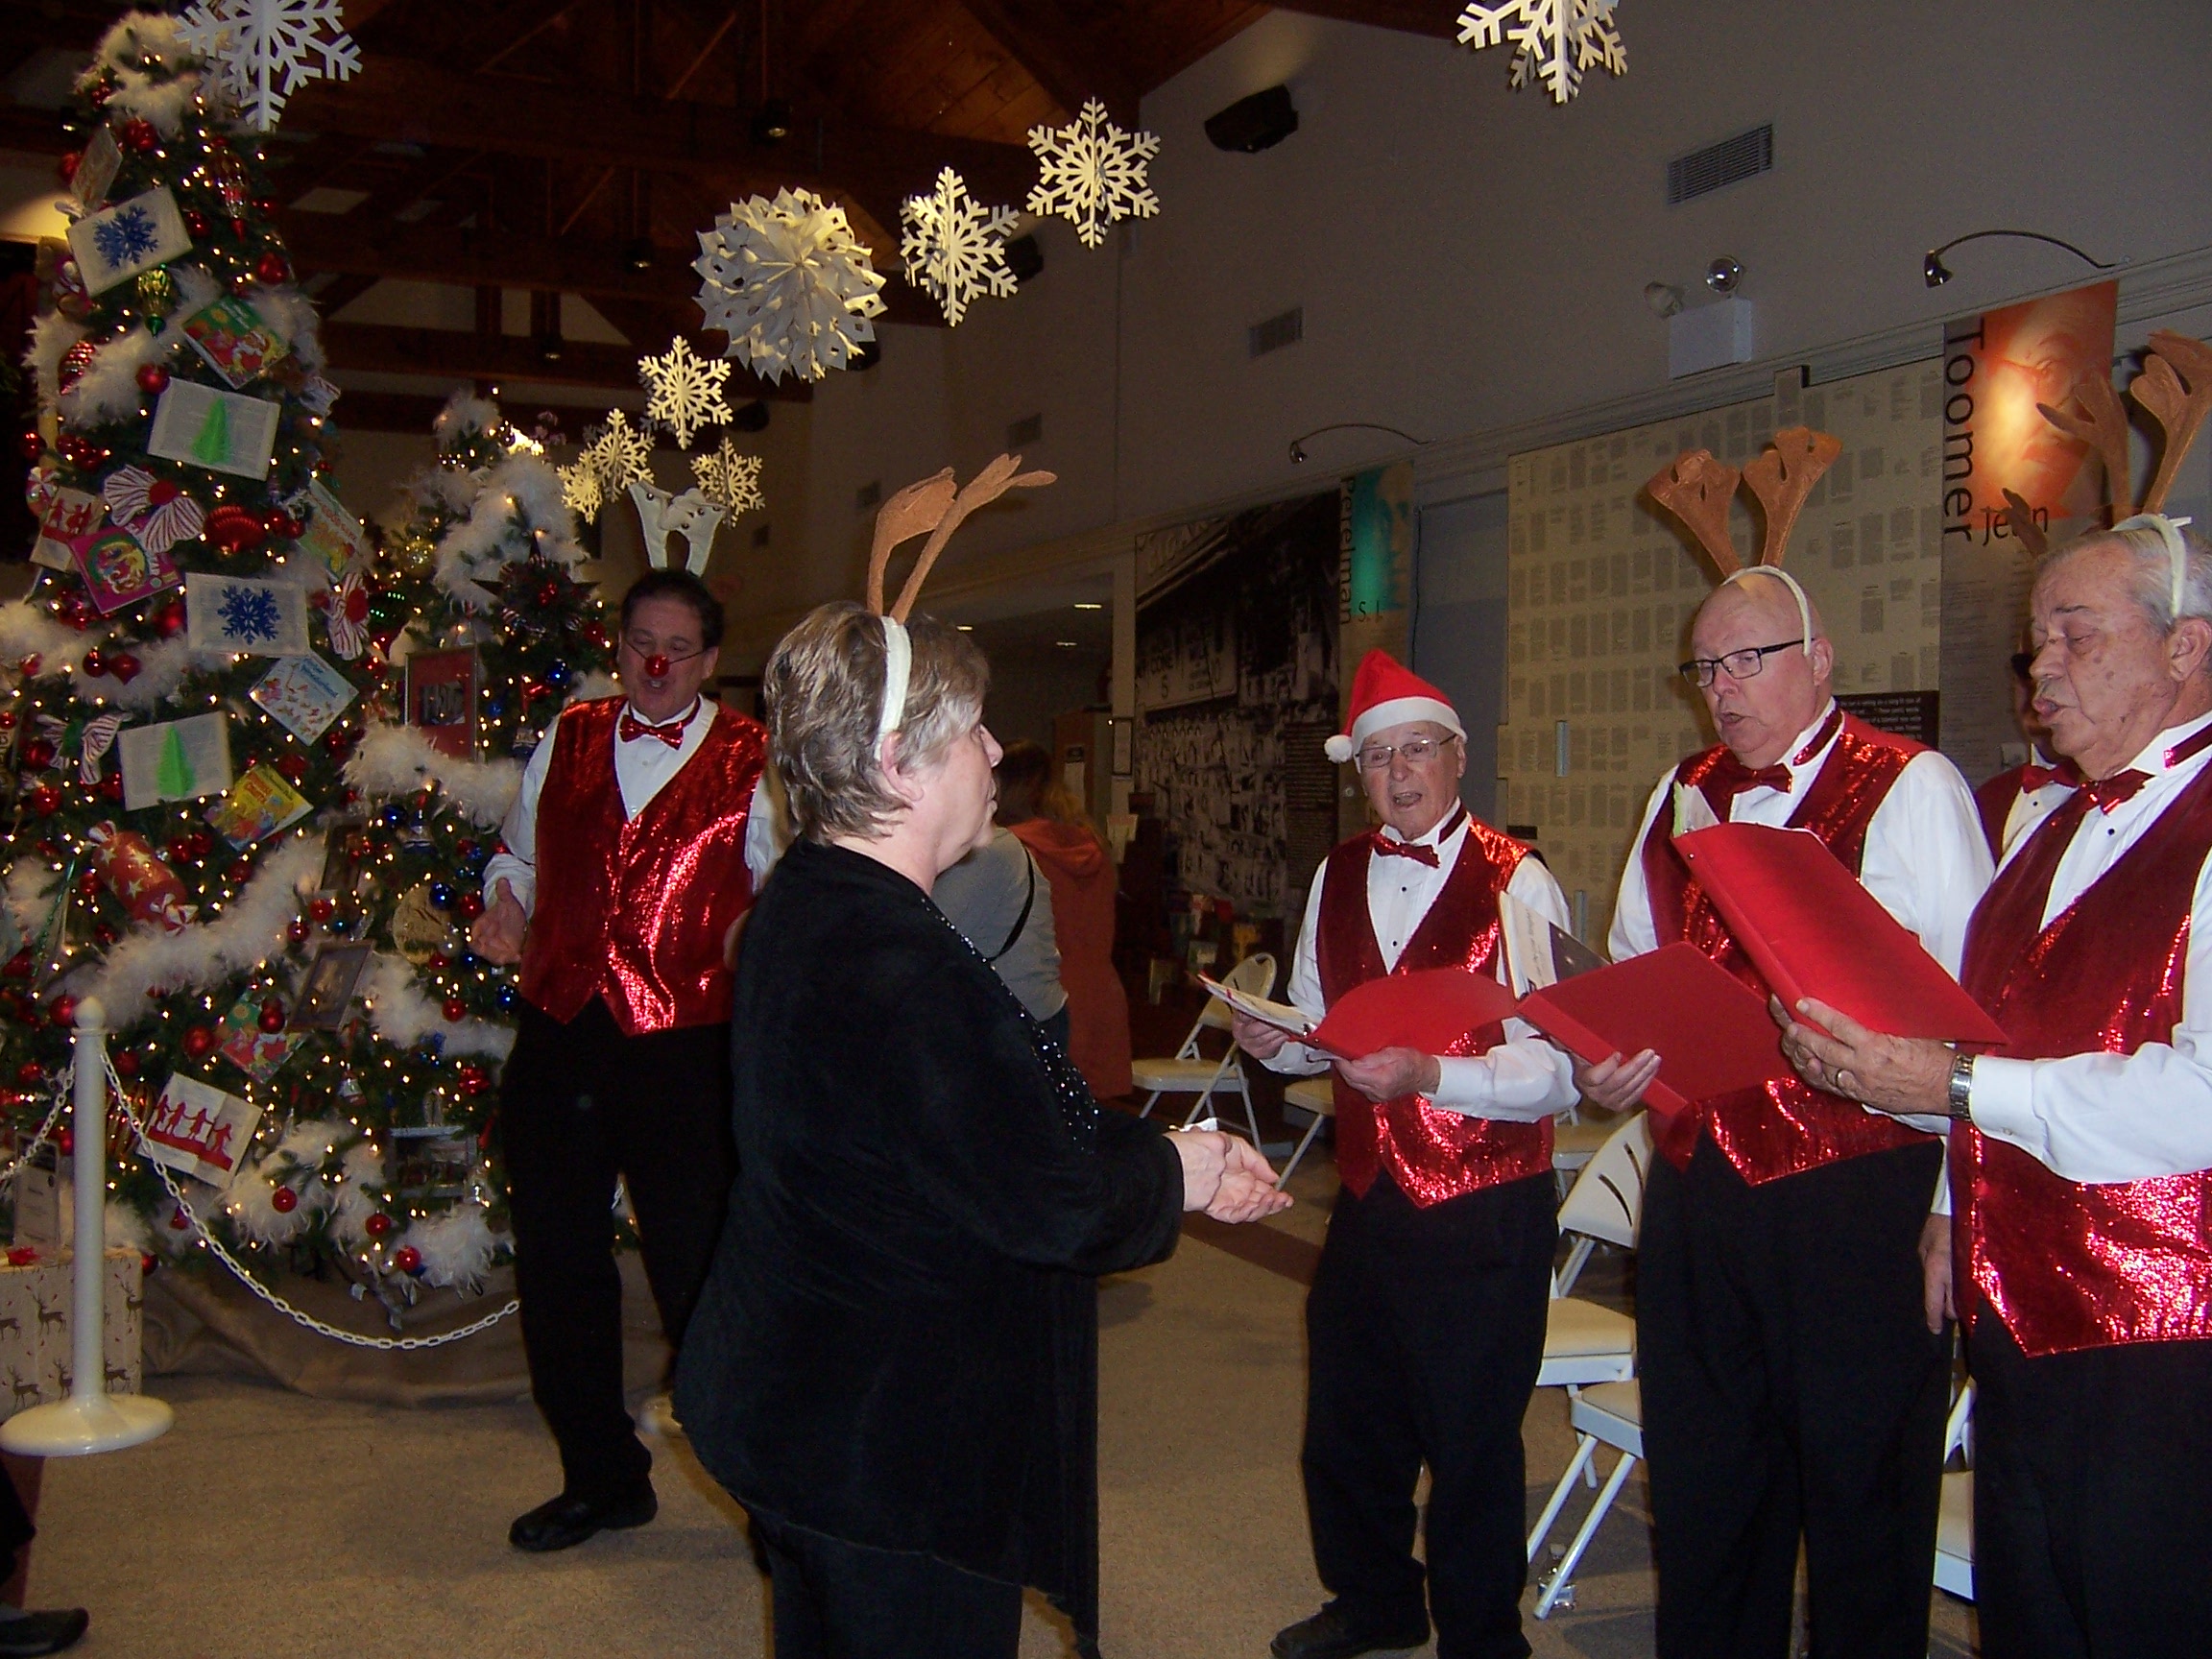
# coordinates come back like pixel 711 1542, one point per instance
pixel 30 893
pixel 403 1016
pixel 108 390
pixel 354 1199
pixel 456 1248
pixel 400 760
pixel 462 414
pixel 127 1229
pixel 247 933
pixel 302 1153
pixel 518 510
pixel 124 50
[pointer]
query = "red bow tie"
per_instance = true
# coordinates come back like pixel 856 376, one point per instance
pixel 631 729
pixel 1420 852
pixel 2034 777
pixel 2108 792
pixel 1732 777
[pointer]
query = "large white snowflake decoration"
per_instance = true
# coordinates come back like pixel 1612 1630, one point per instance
pixel 1092 173
pixel 1555 40
pixel 266 50
pixel 580 491
pixel 789 284
pixel 684 390
pixel 619 456
pixel 954 247
pixel 730 480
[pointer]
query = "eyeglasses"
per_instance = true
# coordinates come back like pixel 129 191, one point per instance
pixel 2024 666
pixel 675 650
pixel 1744 664
pixel 1376 756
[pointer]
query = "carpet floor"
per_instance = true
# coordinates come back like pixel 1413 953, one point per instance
pixel 271 1526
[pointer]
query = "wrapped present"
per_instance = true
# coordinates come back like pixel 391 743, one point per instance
pixel 35 1349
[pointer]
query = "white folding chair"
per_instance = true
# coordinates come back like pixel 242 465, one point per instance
pixel 1576 1136
pixel 1188 1071
pixel 1954 1521
pixel 1609 1414
pixel 1315 1094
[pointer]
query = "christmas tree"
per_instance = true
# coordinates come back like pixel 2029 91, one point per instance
pixel 225 829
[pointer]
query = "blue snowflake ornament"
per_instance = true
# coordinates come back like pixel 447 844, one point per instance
pixel 126 235
pixel 249 615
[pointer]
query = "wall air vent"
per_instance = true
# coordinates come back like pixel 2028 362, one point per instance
pixel 1277 332
pixel 1730 161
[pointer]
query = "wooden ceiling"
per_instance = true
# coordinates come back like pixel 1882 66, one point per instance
pixel 578 146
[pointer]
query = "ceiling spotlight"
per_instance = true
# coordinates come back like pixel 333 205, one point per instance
pixel 639 254
pixel 1934 272
pixel 773 124
pixel 1663 298
pixel 1722 275
pixel 1068 645
pixel 1088 605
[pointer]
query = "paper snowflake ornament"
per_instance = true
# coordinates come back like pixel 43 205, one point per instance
pixel 1092 174
pixel 954 247
pixel 730 480
pixel 684 390
pixel 1553 41
pixel 620 456
pixel 266 50
pixel 580 491
pixel 789 284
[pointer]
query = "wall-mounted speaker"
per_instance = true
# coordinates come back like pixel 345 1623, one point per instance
pixel 1255 123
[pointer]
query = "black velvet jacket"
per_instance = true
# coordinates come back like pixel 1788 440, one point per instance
pixel 898 1345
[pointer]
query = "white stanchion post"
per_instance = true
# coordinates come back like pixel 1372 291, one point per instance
pixel 91 1419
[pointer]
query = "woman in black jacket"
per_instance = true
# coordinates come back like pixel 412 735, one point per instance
pixel 894 1364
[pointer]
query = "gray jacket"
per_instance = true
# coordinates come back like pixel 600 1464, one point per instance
pixel 984 895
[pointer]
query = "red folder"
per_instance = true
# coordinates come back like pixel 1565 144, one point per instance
pixel 1710 1030
pixel 1813 930
pixel 1429 1010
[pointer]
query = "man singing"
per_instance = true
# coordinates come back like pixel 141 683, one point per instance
pixel 1792 1386
pixel 631 858
pixel 1425 1321
pixel 2082 1162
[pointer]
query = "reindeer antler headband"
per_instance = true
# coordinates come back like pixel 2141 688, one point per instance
pixel 2174 390
pixel 937 506
pixel 1698 489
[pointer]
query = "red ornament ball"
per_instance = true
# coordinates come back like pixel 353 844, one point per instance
pixel 38 753
pixel 170 620
pixel 278 523
pixel 178 1223
pixel 6 719
pixel 283 1200
pixel 473 1080
pixel 103 933
pixel 455 1010
pixel 199 1041
pixel 271 1015
pixel 296 931
pixel 322 909
pixel 195 221
pixel 407 1259
pixel 271 268
pixel 240 869
pixel 33 445
pixel 293 766
pixel 65 1141
pixel 44 800
pixel 95 663
pixel 440 962
pixel 126 1063
pixel 377 1226
pixel 124 666
pixel 88 884
pixel 472 906
pixel 65 1010
pixel 152 379
pixel 139 134
pixel 30 1073
pixel 18 966
pixel 31 665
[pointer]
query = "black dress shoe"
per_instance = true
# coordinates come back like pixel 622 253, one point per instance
pixel 562 1523
pixel 1330 1635
pixel 47 1632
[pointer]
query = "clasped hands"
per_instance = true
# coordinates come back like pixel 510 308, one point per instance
pixel 1225 1177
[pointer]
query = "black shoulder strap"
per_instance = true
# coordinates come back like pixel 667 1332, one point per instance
pixel 1028 901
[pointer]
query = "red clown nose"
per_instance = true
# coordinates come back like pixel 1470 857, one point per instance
pixel 656 667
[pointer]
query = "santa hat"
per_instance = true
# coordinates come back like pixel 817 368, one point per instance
pixel 1385 693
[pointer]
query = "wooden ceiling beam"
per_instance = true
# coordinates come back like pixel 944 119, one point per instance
pixel 1438 18
pixel 1040 36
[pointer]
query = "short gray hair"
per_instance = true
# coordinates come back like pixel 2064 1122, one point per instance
pixel 824 687
pixel 2150 571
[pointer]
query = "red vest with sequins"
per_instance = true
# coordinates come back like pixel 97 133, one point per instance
pixel 1433 1155
pixel 1788 1127
pixel 635 910
pixel 2069 1265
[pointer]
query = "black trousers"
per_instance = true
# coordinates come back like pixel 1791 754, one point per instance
pixel 837 1600
pixel 1425 1331
pixel 1790 1387
pixel 2092 1528
pixel 581 1103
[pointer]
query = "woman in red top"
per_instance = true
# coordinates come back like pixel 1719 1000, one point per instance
pixel 1049 822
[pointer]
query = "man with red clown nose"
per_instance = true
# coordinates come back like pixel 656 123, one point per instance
pixel 631 857
pixel 1425 1321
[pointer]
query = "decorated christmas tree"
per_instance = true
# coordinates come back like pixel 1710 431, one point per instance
pixel 227 829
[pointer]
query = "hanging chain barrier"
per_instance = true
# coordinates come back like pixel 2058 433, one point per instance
pixel 62 1084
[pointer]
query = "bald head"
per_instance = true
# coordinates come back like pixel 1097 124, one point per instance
pixel 1759 714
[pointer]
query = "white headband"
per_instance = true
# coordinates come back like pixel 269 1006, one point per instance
pixel 1804 605
pixel 898 668
pixel 2177 549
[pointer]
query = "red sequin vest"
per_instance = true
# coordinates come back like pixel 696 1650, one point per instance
pixel 1785 1128
pixel 2069 1265
pixel 635 910
pixel 1433 1155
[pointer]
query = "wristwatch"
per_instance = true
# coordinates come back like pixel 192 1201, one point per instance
pixel 1961 1084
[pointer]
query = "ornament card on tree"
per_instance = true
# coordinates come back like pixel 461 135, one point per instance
pixel 176 760
pixel 97 167
pixel 208 427
pixel 259 1054
pixel 119 571
pixel 333 534
pixel 199 1130
pixel 70 515
pixel 244 614
pixel 116 243
pixel 331 981
pixel 231 336
pixel 259 803
pixel 303 694
pixel 442 699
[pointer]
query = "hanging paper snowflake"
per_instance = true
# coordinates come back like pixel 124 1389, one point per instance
pixel 580 491
pixel 954 247
pixel 1555 40
pixel 685 389
pixel 730 480
pixel 620 456
pixel 1092 173
pixel 789 283
pixel 256 44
